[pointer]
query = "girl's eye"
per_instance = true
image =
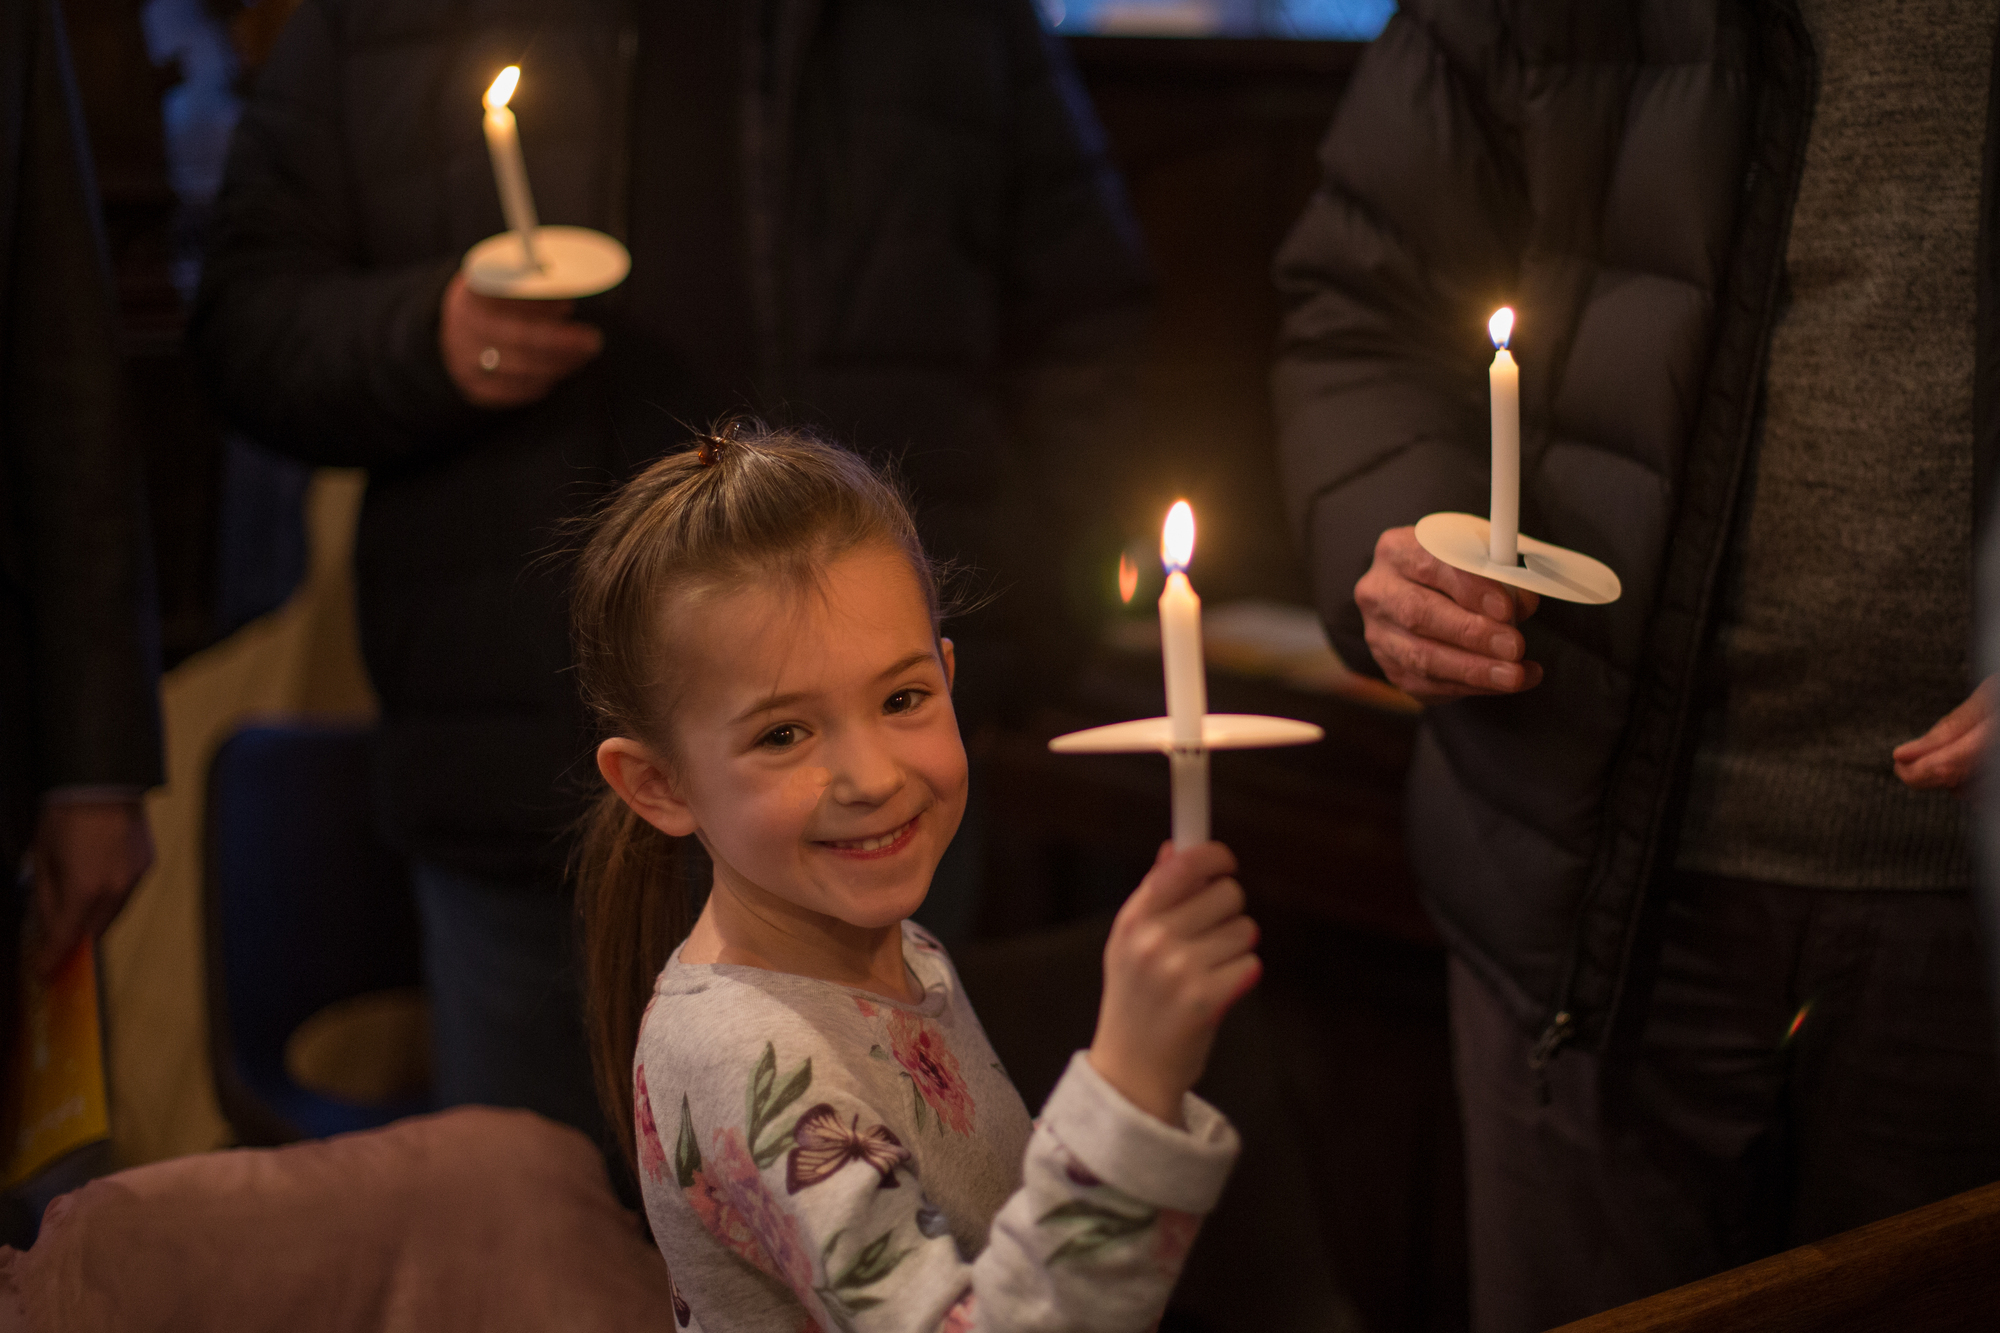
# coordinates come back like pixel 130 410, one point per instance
pixel 904 701
pixel 779 738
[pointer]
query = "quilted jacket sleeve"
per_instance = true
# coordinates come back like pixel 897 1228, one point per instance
pixel 1410 242
pixel 304 344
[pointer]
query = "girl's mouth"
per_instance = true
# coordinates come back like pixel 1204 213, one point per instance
pixel 887 844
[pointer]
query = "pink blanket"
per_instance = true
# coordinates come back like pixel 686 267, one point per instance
pixel 469 1219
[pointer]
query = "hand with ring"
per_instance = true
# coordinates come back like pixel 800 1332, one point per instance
pixel 502 353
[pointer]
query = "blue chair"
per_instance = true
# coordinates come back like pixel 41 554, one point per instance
pixel 306 907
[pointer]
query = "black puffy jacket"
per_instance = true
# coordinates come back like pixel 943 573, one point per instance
pixel 943 272
pixel 1622 172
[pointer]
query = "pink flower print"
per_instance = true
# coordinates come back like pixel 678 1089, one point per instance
pixel 1173 1237
pixel 920 1049
pixel 748 1205
pixel 867 1010
pixel 958 1319
pixel 652 1156
pixel 713 1209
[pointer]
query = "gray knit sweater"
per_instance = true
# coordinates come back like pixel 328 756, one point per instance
pixel 1845 628
pixel 820 1158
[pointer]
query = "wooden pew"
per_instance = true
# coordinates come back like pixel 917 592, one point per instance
pixel 1931 1270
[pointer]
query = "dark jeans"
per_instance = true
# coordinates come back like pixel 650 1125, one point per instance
pixel 1803 1061
pixel 501 965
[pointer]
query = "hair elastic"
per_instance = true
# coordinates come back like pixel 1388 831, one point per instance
pixel 710 449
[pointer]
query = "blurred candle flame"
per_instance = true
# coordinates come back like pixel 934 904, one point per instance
pixel 1177 536
pixel 502 90
pixel 1501 326
pixel 1128 577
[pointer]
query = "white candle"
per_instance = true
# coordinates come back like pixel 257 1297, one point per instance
pixel 1187 685
pixel 1504 381
pixel 510 173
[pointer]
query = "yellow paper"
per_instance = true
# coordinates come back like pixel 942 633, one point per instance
pixel 55 1097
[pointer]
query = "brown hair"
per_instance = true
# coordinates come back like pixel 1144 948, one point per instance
pixel 748 504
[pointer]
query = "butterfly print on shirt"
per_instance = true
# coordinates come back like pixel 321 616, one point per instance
pixel 825 1146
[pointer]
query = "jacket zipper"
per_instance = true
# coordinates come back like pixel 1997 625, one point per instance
pixel 1560 1029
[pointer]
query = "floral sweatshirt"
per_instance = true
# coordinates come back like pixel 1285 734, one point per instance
pixel 820 1158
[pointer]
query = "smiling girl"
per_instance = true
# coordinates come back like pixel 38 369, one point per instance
pixel 823 1135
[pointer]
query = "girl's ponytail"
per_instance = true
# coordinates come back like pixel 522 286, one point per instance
pixel 634 907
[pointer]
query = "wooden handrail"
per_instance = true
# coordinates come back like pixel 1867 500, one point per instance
pixel 1931 1270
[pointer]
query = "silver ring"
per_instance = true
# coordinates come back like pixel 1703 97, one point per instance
pixel 489 360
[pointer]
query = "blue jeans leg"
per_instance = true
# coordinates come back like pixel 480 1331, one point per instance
pixel 506 992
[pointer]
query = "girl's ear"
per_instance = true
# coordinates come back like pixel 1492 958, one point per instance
pixel 645 784
pixel 950 656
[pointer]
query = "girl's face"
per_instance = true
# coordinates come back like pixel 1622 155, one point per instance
pixel 819 758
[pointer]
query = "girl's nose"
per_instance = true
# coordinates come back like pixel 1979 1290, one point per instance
pixel 865 772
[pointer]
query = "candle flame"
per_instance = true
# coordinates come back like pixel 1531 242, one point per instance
pixel 1501 326
pixel 503 88
pixel 1177 536
pixel 1128 577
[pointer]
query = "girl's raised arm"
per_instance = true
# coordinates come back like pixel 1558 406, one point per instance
pixel 787 1166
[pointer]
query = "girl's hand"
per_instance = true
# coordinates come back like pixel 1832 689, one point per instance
pixel 1178 957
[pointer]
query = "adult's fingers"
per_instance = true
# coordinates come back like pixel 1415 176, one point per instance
pixel 501 309
pixel 1977 709
pixel 1400 549
pixel 1950 765
pixel 1436 670
pixel 544 349
pixel 61 912
pixel 1391 594
pixel 84 916
pixel 504 391
pixel 1430 615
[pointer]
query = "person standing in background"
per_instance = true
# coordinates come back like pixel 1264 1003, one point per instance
pixel 893 224
pixel 1716 981
pixel 79 673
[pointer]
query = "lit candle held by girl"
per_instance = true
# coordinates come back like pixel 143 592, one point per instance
pixel 1187 684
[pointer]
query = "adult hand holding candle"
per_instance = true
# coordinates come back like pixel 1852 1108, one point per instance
pixel 1441 598
pixel 505 330
pixel 510 173
pixel 1187 683
pixel 503 353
